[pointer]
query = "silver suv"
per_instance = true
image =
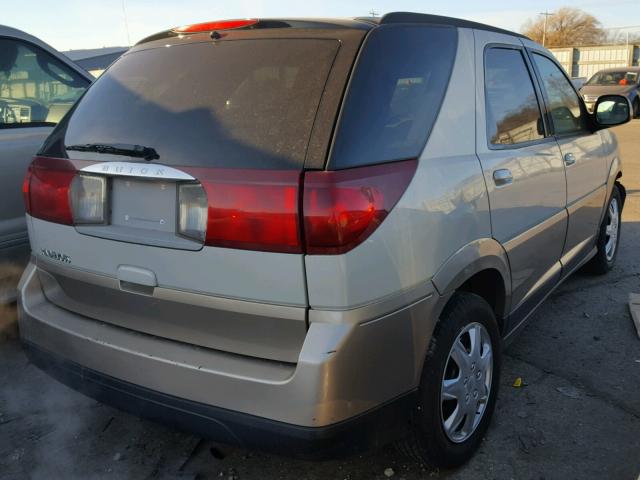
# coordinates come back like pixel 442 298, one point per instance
pixel 312 236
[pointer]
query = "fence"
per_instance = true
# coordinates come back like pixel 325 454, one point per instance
pixel 585 61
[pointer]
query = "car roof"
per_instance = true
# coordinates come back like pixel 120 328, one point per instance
pixel 10 32
pixel 363 23
pixel 410 17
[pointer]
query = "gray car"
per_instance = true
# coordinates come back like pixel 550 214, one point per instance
pixel 315 236
pixel 613 81
pixel 38 85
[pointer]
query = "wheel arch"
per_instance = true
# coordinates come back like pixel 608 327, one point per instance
pixel 480 267
pixel 613 180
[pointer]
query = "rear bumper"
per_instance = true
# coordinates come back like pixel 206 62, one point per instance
pixel 353 386
pixel 227 426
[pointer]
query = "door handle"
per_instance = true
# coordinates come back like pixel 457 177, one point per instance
pixel 569 159
pixel 502 177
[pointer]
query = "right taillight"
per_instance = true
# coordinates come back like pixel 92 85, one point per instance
pixel 342 208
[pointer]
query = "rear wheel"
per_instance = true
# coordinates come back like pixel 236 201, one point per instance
pixel 608 238
pixel 459 385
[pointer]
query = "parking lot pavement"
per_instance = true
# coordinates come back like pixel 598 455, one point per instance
pixel 577 414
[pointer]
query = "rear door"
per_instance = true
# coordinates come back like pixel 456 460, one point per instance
pixel 36 89
pixel 229 122
pixel 584 161
pixel 523 170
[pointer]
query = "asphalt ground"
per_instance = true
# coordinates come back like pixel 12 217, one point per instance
pixel 576 416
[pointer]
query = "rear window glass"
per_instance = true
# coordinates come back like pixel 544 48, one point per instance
pixel 240 103
pixel 395 94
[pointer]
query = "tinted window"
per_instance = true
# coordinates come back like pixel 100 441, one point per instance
pixel 395 94
pixel 240 103
pixel 563 102
pixel 35 87
pixel 513 112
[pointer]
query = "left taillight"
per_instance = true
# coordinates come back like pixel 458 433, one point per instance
pixel 55 191
pixel 47 188
pixel 89 199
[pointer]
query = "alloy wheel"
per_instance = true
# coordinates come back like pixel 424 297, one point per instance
pixel 612 229
pixel 466 382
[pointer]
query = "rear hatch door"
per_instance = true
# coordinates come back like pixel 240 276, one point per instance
pixel 234 119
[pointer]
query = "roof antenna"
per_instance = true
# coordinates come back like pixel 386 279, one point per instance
pixel 126 24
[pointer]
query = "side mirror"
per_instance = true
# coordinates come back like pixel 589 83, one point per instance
pixel 611 110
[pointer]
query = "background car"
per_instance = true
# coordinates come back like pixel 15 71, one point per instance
pixel 578 82
pixel 38 85
pixel 613 81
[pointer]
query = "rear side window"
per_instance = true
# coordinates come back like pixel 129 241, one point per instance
pixel 395 94
pixel 563 101
pixel 233 104
pixel 513 112
pixel 36 89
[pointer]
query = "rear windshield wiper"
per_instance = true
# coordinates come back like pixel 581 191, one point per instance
pixel 138 151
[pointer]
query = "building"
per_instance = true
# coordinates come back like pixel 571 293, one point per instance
pixel 583 62
pixel 95 60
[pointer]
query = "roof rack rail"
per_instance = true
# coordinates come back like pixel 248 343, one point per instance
pixel 409 17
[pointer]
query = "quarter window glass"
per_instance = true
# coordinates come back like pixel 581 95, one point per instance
pixel 564 104
pixel 35 87
pixel 513 112
pixel 395 95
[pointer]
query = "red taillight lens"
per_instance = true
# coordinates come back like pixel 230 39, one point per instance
pixel 243 209
pixel 252 209
pixel 46 189
pixel 26 185
pixel 342 208
pixel 216 25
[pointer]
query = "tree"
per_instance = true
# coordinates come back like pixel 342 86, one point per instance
pixel 566 27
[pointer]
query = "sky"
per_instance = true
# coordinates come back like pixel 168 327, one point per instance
pixel 77 24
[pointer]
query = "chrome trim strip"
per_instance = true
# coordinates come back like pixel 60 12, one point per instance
pixel 137 169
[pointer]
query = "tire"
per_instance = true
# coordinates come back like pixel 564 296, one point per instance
pixel 428 441
pixel 604 259
pixel 636 108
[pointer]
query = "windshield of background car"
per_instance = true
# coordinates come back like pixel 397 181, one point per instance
pixel 614 78
pixel 35 87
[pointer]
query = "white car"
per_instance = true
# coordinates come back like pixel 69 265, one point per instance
pixel 38 85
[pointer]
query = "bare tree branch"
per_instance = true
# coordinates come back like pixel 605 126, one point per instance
pixel 567 27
